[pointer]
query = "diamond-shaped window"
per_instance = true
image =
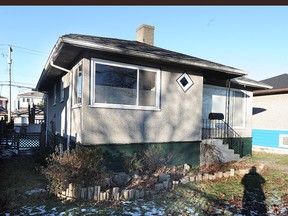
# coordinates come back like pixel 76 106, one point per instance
pixel 185 82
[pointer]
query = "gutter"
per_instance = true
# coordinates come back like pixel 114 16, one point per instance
pixel 54 53
pixel 270 92
pixel 252 84
pixel 58 67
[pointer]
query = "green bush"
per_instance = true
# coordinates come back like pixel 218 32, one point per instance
pixel 83 166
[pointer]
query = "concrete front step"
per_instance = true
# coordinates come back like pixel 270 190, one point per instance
pixel 228 154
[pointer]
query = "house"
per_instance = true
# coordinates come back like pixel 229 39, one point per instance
pixel 28 99
pixel 29 105
pixel 270 125
pixel 123 95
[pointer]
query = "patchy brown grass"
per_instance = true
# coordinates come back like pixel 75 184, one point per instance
pixel 21 174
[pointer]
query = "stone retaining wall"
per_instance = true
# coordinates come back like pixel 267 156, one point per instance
pixel 95 193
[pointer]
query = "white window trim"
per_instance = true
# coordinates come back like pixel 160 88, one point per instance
pixel 62 92
pixel 281 137
pixel 130 66
pixel 76 105
pixel 243 126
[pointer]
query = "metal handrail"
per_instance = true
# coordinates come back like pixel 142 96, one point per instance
pixel 219 129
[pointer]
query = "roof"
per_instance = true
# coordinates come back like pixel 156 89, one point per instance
pixel 251 83
pixel 278 82
pixel 3 98
pixel 32 94
pixel 70 46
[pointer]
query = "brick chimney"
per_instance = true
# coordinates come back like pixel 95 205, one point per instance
pixel 145 34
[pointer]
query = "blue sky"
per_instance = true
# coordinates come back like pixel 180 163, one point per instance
pixel 251 38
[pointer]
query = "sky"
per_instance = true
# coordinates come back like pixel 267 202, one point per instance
pixel 250 38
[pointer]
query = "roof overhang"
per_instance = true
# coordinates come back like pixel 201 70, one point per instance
pixel 270 92
pixel 66 50
pixel 253 84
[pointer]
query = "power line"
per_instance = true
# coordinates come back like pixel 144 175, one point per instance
pixel 33 50
pixel 21 83
pixel 19 86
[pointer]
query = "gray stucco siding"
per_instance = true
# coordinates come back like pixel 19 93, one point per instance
pixel 179 117
pixel 270 112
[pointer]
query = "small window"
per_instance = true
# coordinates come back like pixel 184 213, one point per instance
pixel 55 94
pixel 23 100
pixel 62 90
pixel 118 85
pixel 78 76
pixel 283 140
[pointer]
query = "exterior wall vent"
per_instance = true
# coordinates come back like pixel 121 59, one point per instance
pixel 283 140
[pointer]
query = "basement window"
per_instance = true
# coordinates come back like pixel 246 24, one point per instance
pixel 283 140
pixel 119 85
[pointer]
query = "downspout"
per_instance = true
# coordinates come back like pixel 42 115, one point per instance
pixel 69 102
pixel 228 98
pixel 47 117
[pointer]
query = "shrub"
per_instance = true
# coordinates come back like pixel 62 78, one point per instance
pixel 212 158
pixel 133 163
pixel 156 157
pixel 83 166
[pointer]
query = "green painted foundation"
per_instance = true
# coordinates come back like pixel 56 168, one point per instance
pixel 185 152
pixel 247 150
pixel 235 143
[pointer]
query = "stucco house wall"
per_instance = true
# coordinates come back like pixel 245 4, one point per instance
pixel 270 120
pixel 178 120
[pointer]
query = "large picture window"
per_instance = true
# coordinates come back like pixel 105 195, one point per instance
pixel 215 100
pixel 118 85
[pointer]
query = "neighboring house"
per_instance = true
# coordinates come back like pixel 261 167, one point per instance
pixel 124 95
pixel 270 125
pixel 28 99
pixel 29 102
pixel 3 107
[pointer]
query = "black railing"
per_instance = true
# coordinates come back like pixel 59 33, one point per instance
pixel 219 129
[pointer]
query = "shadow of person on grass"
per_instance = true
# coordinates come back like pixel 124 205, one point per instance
pixel 253 202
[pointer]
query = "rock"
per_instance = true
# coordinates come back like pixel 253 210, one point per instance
pixel 186 167
pixel 121 179
pixel 164 177
pixel 185 180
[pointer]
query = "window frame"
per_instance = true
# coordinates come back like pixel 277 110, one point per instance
pixel 244 107
pixel 62 92
pixel 211 88
pixel 75 76
pixel 93 103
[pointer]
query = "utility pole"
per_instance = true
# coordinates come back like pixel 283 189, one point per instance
pixel 9 83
